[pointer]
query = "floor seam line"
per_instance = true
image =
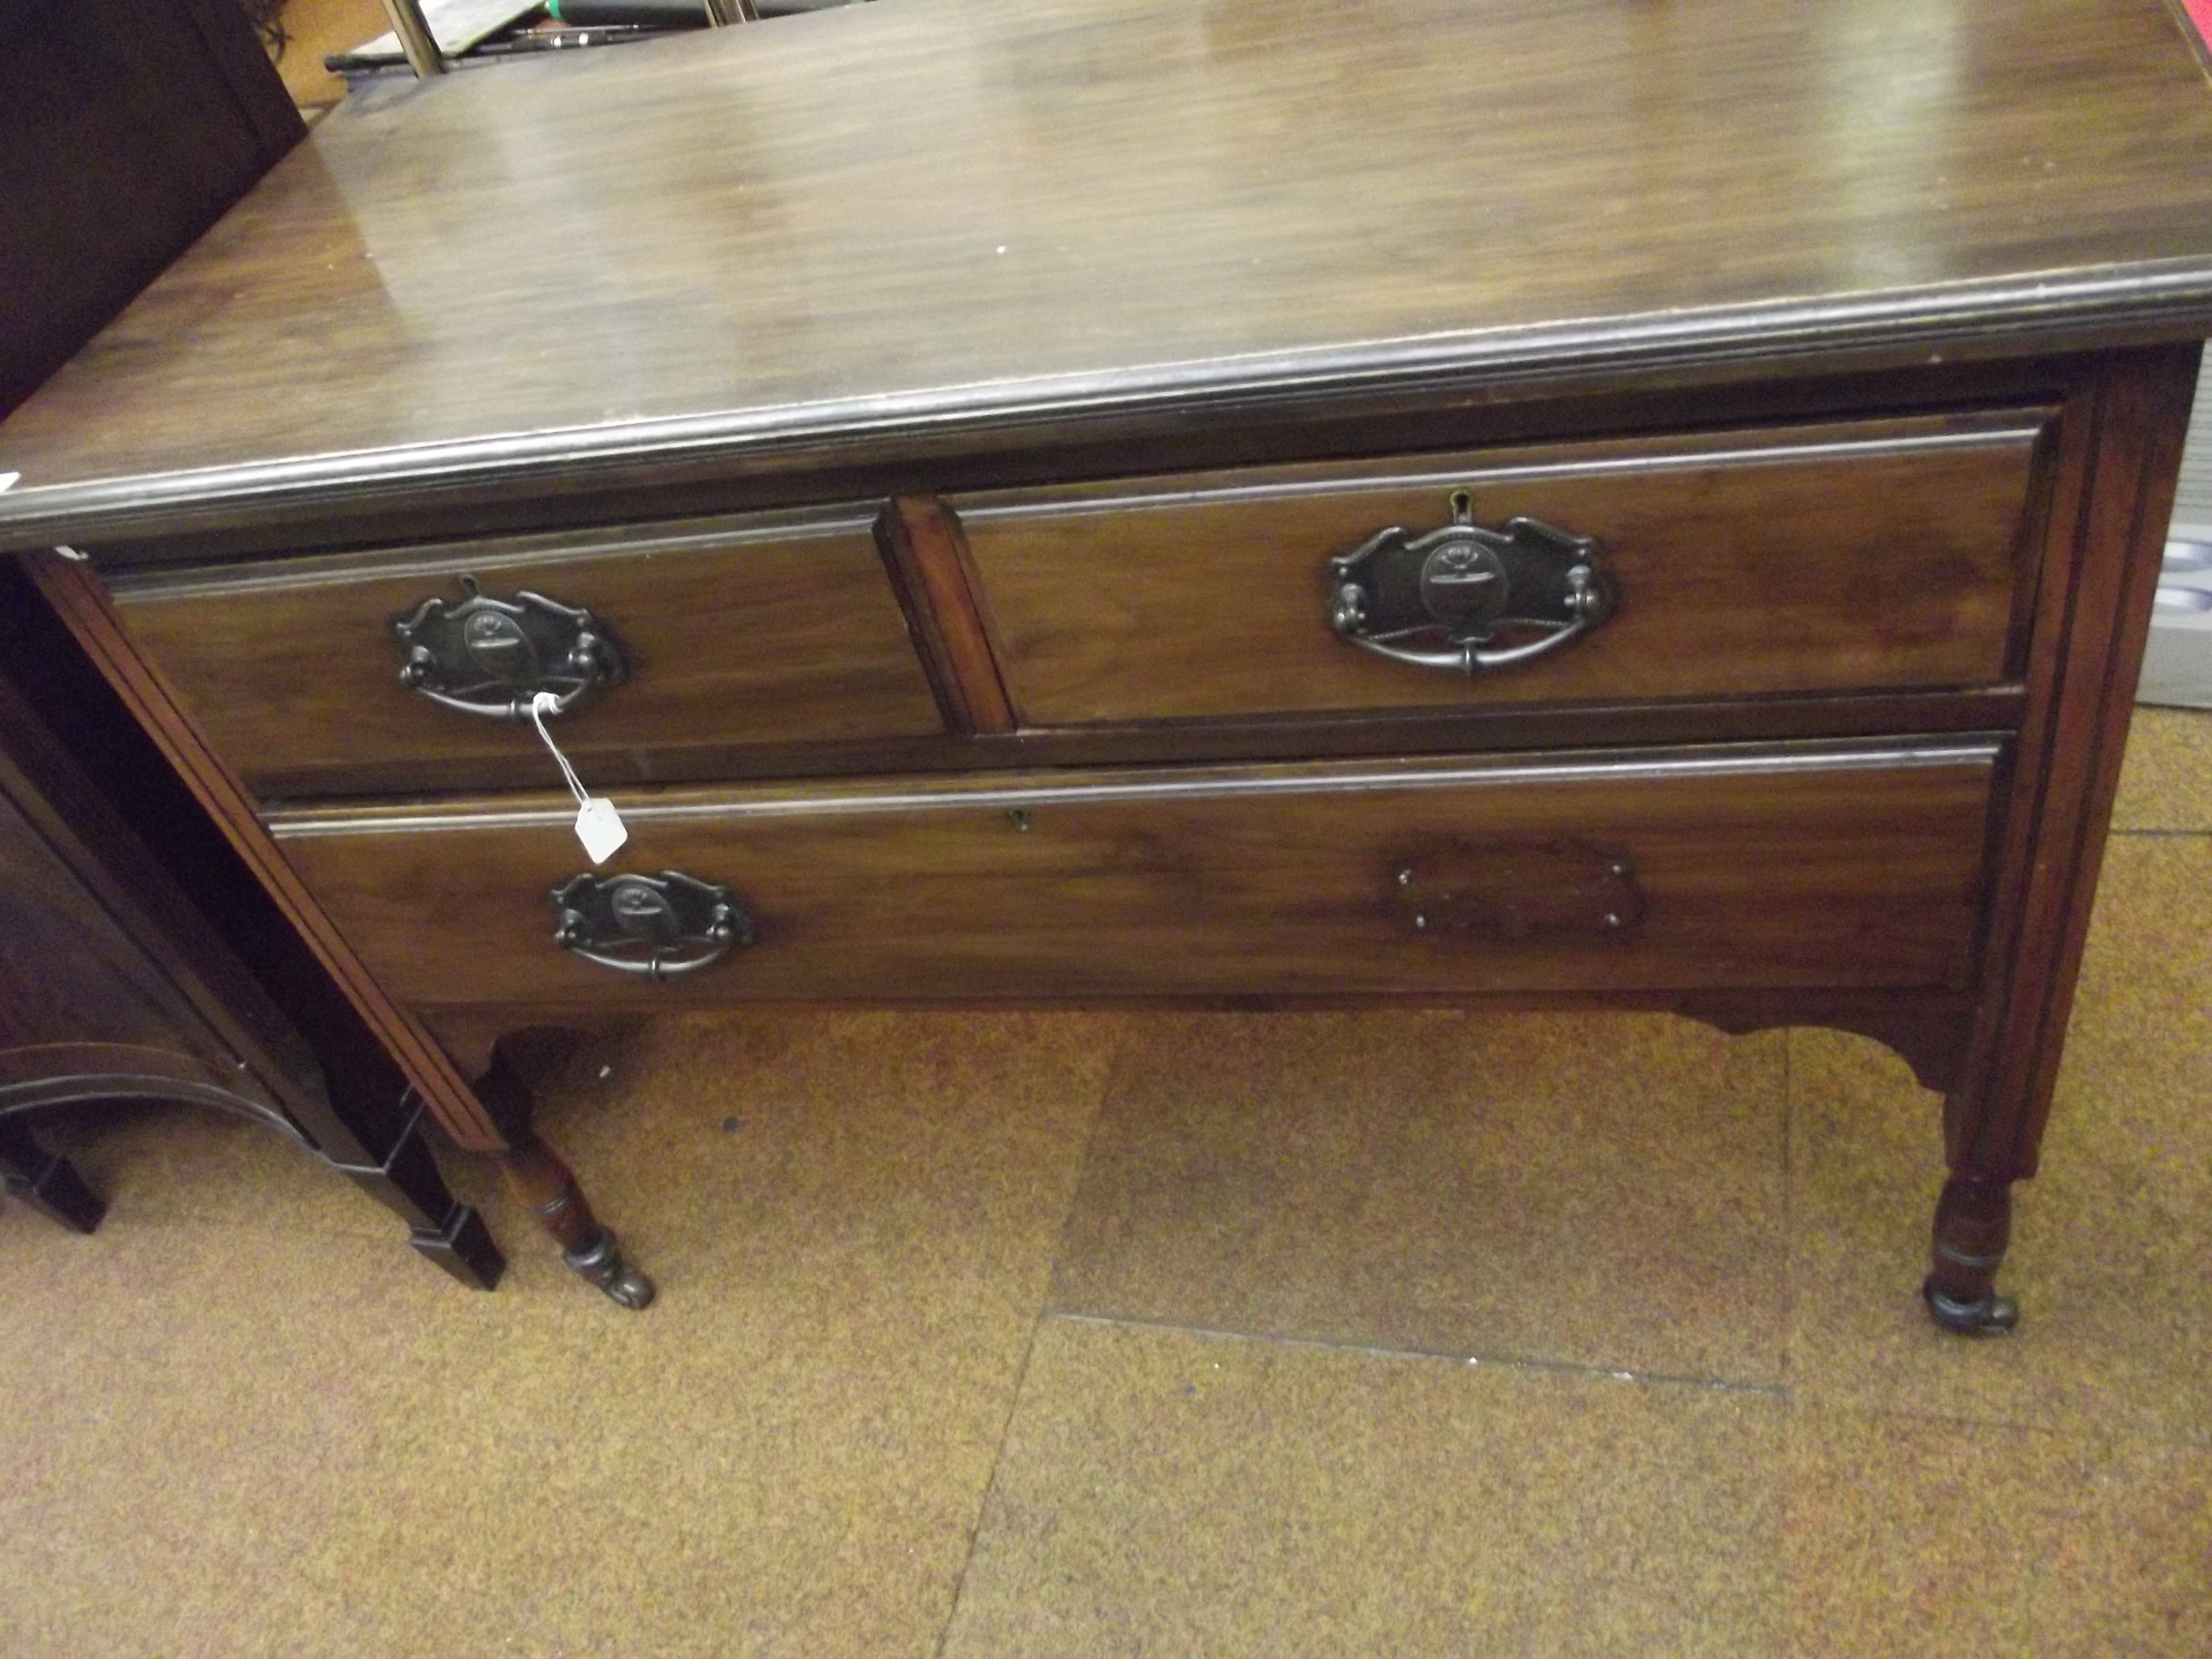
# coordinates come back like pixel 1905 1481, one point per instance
pixel 1036 1323
pixel 1433 1356
pixel 1789 1213
pixel 990 1484
pixel 2012 1425
pixel 1113 1070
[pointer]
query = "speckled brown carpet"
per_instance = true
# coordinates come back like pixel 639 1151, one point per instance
pixel 1082 1335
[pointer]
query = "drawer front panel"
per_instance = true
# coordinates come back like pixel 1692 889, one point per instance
pixel 1830 866
pixel 1877 556
pixel 751 632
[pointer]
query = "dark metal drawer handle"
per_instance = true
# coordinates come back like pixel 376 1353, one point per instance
pixel 1467 597
pixel 657 925
pixel 488 656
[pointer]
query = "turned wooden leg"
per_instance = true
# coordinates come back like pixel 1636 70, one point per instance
pixel 1973 1220
pixel 539 1178
pixel 45 1181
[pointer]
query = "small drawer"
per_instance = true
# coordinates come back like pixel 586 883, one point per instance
pixel 1881 554
pixel 726 635
pixel 1829 866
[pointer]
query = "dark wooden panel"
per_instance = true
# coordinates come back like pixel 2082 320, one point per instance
pixel 1828 867
pixel 782 631
pixel 239 55
pixel 125 129
pixel 68 973
pixel 2107 529
pixel 1096 206
pixel 101 944
pixel 1880 556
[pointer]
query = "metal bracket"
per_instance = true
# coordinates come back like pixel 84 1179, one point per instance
pixel 417 40
pixel 1515 892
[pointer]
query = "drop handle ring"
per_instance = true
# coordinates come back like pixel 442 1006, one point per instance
pixel 492 656
pixel 1468 598
pixel 658 928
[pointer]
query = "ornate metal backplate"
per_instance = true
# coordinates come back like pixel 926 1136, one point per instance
pixel 1518 891
pixel 657 925
pixel 1467 597
pixel 488 656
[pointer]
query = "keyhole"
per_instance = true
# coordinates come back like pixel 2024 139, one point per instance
pixel 1462 506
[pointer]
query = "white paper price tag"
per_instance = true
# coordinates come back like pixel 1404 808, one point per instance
pixel 599 827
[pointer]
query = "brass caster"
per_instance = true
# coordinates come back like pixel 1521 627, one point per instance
pixel 1987 1315
pixel 603 1266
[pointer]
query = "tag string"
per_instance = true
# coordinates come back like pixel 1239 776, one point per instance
pixel 539 704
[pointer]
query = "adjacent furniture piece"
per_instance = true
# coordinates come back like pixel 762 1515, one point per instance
pixel 174 847
pixel 144 951
pixel 138 962
pixel 125 129
pixel 1590 505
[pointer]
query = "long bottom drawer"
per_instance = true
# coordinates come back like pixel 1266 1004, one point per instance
pixel 1835 865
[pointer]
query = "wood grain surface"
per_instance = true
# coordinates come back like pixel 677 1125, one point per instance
pixel 1834 867
pixel 894 225
pixel 775 631
pixel 1883 555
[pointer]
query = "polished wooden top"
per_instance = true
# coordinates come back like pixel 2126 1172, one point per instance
pixel 863 229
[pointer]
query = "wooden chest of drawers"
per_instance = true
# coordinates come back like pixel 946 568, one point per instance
pixel 1654 534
